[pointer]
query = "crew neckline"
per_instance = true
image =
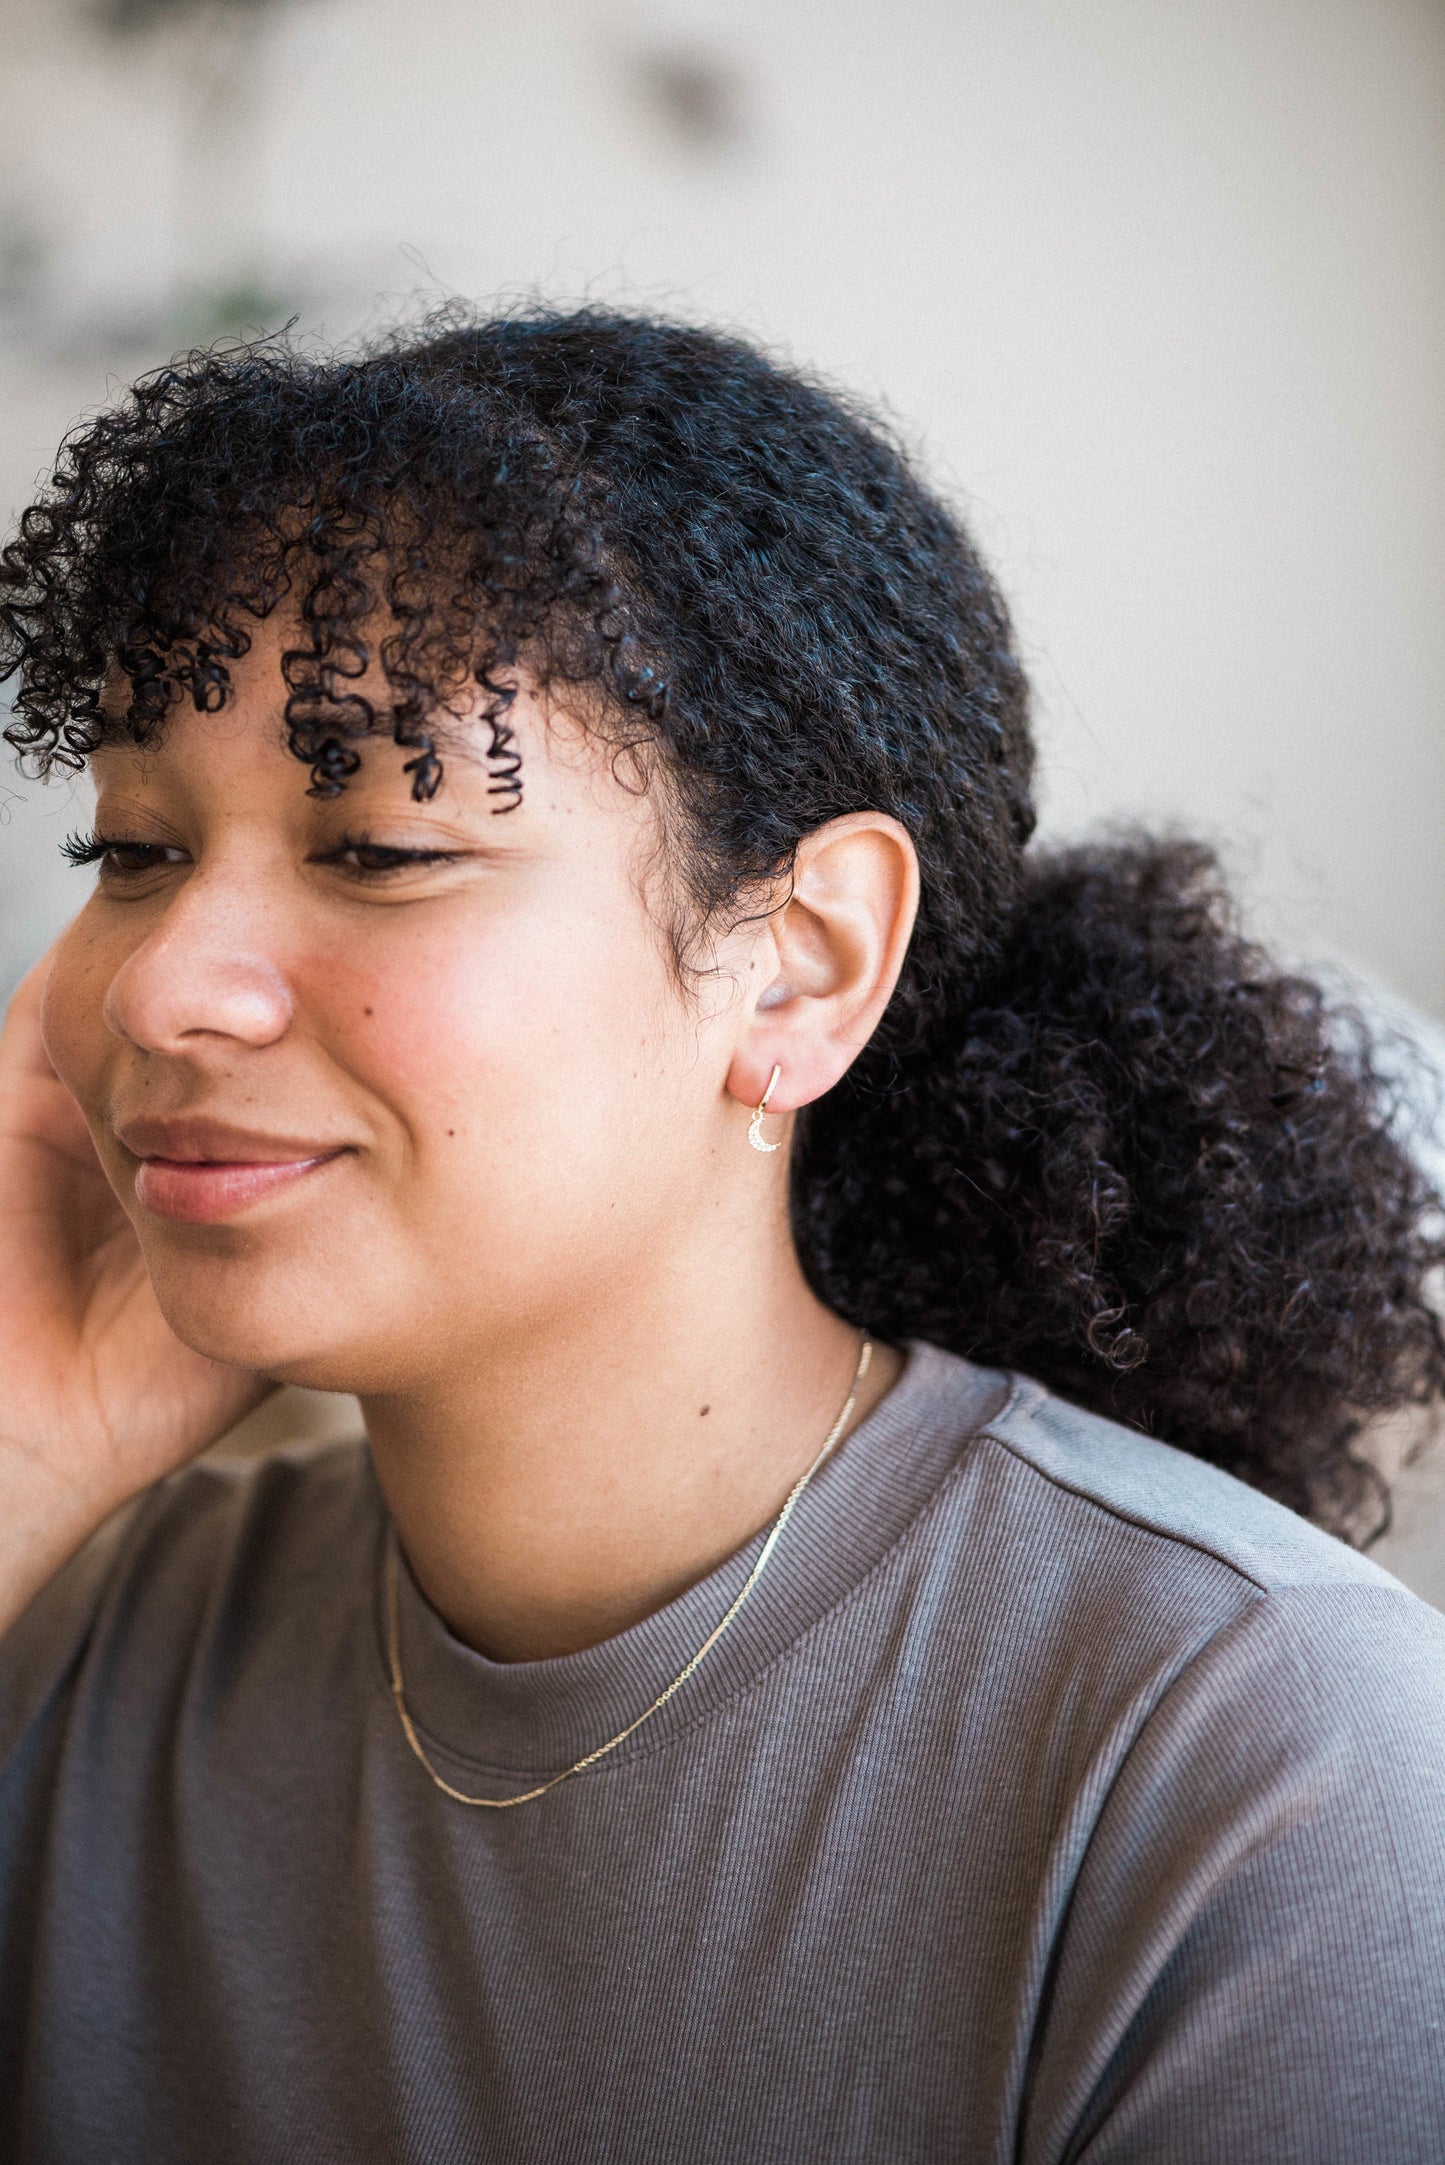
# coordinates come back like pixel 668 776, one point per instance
pixel 524 1719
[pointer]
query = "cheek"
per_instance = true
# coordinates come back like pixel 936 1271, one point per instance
pixel 506 1050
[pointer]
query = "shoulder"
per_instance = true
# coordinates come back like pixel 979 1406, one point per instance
pixel 192 1574
pixel 1097 1466
pixel 228 1525
pixel 1129 1561
pixel 1252 1670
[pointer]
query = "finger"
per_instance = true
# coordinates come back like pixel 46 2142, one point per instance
pixel 22 1048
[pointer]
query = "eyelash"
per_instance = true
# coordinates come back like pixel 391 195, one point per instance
pixel 397 860
pixel 86 849
pixel 94 848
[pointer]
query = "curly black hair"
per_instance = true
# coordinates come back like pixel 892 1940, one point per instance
pixel 1097 1136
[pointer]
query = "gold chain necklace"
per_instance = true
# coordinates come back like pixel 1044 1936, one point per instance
pixel 502 1804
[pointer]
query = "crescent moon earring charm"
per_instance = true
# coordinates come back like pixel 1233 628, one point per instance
pixel 755 1125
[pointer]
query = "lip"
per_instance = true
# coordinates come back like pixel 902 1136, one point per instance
pixel 203 1191
pixel 187 1138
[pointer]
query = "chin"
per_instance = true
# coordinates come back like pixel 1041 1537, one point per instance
pixel 234 1315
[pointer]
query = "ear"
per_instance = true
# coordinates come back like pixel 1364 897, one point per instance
pixel 827 959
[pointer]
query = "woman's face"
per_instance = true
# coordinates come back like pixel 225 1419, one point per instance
pixel 366 1112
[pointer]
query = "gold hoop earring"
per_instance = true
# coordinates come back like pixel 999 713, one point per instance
pixel 755 1125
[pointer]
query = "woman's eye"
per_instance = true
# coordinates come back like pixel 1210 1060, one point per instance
pixel 118 858
pixel 374 860
pixel 139 856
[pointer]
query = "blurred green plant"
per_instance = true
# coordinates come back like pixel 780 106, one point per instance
pixel 237 308
pixel 125 17
pixel 213 51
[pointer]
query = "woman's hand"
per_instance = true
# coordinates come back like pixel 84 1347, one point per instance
pixel 99 1397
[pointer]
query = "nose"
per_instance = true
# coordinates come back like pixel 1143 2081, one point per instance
pixel 203 974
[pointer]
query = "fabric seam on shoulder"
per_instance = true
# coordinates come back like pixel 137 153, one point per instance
pixel 1116 1511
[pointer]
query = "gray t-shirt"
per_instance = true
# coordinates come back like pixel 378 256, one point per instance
pixel 1053 1797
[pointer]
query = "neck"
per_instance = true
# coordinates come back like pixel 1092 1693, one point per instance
pixel 574 1478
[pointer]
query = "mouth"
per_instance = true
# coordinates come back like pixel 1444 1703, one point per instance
pixel 203 1191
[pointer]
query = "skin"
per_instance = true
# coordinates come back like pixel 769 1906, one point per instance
pixel 451 1135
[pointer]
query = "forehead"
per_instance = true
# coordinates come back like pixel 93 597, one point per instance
pixel 518 767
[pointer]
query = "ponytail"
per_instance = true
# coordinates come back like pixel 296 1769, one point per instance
pixel 1152 1171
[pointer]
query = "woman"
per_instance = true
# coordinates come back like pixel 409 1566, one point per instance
pixel 565 966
